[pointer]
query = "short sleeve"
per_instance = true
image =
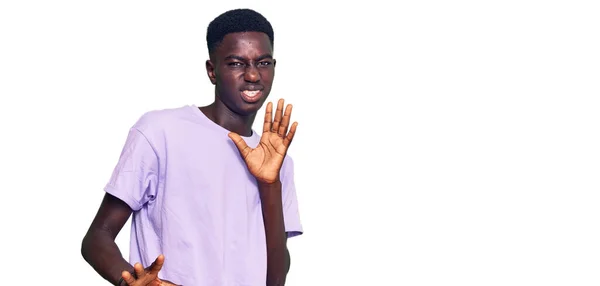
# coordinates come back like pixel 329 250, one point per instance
pixel 135 178
pixel 291 214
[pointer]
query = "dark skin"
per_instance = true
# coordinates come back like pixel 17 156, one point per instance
pixel 243 61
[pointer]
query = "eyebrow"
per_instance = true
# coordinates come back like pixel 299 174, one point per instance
pixel 262 57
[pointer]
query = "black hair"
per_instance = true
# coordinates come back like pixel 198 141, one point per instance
pixel 235 21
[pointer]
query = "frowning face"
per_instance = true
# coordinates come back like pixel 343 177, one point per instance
pixel 242 68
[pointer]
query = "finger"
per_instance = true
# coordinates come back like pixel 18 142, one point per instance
pixel 157 264
pixel 268 118
pixel 285 121
pixel 127 277
pixel 139 270
pixel 290 136
pixel 278 115
pixel 240 144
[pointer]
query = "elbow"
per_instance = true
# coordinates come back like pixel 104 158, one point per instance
pixel 288 261
pixel 87 246
pixel 280 282
pixel 84 247
pixel 278 278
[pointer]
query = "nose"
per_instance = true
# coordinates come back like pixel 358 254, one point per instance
pixel 252 74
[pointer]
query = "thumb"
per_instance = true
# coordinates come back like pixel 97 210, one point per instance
pixel 240 144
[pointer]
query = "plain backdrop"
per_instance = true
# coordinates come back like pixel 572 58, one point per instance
pixel 439 142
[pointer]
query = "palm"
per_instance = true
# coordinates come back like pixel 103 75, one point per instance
pixel 265 161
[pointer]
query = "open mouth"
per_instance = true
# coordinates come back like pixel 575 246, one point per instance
pixel 251 96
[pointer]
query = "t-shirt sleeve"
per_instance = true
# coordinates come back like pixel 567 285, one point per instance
pixel 135 178
pixel 291 214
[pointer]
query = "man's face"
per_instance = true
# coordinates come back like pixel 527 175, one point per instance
pixel 242 68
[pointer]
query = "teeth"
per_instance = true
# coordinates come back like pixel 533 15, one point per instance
pixel 251 93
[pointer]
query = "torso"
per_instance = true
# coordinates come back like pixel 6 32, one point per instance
pixel 206 217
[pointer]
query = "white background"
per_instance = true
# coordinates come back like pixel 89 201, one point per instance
pixel 439 142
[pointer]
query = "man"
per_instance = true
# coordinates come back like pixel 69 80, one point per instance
pixel 213 202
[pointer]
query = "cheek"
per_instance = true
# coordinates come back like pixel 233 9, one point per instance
pixel 267 76
pixel 228 79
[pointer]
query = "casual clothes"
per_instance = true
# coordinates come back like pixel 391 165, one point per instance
pixel 195 201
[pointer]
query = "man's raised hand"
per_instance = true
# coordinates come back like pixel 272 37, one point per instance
pixel 265 161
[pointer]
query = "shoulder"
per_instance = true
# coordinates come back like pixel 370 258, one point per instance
pixel 158 120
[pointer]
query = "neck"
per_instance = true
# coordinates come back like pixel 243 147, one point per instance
pixel 222 115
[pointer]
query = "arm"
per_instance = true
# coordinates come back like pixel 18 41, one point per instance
pixel 265 162
pixel 98 246
pixel 131 186
pixel 278 257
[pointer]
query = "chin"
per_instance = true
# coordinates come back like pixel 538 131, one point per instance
pixel 251 107
pixel 244 108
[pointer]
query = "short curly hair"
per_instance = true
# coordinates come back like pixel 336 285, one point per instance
pixel 235 21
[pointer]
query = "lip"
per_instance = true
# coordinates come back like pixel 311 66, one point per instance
pixel 253 87
pixel 253 99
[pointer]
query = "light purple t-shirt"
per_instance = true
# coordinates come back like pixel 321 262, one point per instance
pixel 195 201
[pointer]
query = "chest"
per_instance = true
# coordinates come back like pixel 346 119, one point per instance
pixel 204 179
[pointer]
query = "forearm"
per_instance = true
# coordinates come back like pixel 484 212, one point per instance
pixel 277 254
pixel 102 253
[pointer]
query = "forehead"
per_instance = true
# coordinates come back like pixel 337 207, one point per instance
pixel 245 44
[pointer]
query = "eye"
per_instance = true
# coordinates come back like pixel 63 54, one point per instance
pixel 235 64
pixel 264 64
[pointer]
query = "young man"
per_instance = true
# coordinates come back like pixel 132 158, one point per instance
pixel 213 202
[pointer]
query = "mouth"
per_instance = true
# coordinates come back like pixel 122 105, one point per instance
pixel 251 96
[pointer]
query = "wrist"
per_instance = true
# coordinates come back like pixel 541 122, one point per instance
pixel 264 181
pixel 268 184
pixel 268 188
pixel 270 193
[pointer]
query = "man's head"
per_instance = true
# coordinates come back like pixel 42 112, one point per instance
pixel 241 65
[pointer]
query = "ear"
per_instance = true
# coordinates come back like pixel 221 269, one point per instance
pixel 274 62
pixel 210 70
